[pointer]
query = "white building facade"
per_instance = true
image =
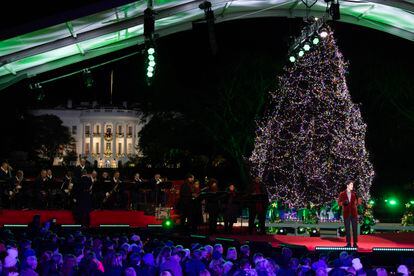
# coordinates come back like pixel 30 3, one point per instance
pixel 103 135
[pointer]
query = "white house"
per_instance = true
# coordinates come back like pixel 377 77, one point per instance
pixel 106 134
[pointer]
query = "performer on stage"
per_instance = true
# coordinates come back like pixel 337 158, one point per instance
pixel 349 201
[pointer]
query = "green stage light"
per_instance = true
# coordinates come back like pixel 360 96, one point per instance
pixel 151 51
pixel 314 232
pixel 371 202
pixel 150 74
pixel 412 202
pixel 151 57
pixel 301 53
pixel 282 231
pixel 292 59
pixel 306 47
pixel 151 63
pixel 168 223
pixel 301 230
pixel 150 69
pixel 315 41
pixel 341 231
pixel 392 202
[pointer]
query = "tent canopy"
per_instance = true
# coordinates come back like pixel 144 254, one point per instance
pixel 29 54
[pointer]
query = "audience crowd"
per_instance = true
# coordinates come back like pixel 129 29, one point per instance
pixel 46 249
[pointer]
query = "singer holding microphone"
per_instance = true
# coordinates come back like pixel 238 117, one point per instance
pixel 349 201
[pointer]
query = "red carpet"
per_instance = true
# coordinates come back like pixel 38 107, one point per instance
pixel 133 218
pixel 365 244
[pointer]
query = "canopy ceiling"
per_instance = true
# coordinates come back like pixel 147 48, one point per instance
pixel 56 46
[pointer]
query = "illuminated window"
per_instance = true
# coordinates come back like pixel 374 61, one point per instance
pixel 86 148
pixel 97 148
pixel 119 147
pixel 87 130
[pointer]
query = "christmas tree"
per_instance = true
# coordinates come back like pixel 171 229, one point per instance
pixel 312 139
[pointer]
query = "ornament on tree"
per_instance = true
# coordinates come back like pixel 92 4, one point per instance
pixel 312 139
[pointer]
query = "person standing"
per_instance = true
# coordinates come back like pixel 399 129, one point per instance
pixel 258 205
pixel 231 210
pixel 185 201
pixel 349 201
pixel 83 199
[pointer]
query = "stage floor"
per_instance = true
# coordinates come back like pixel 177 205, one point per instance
pixel 365 244
pixel 139 219
pixel 98 217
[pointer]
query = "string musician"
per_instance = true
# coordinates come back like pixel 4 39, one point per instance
pixel 66 190
pixel 113 198
pixel 16 193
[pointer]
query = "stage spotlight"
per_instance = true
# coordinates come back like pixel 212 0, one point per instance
pixel 391 202
pixel 168 224
pixel 282 231
pixel 315 41
pixel 87 78
pixel 150 50
pixel 334 11
pixel 323 33
pixel 306 46
pixel 301 53
pixel 292 59
pixel 301 230
pixel 341 231
pixel 314 232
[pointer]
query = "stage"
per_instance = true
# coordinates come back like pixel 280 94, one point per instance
pixel 367 243
pixel 98 217
pixel 397 240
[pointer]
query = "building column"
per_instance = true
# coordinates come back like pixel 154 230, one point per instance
pixel 125 138
pixel 101 155
pixel 91 131
pixel 83 139
pixel 114 125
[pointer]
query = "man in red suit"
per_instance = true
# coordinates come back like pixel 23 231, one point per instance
pixel 348 201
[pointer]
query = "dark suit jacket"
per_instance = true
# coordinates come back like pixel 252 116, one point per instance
pixel 351 208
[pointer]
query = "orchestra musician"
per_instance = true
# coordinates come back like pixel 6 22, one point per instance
pixel 137 184
pixel 105 186
pixel 184 205
pixel 258 206
pixel 53 189
pixel 66 190
pixel 5 181
pixel 231 210
pixel 196 208
pixel 212 205
pixel 156 188
pixel 113 198
pixel 16 193
pixel 83 199
pixel 40 190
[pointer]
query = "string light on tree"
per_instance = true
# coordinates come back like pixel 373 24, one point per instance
pixel 312 139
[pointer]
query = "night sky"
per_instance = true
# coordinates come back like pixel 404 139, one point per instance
pixel 380 78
